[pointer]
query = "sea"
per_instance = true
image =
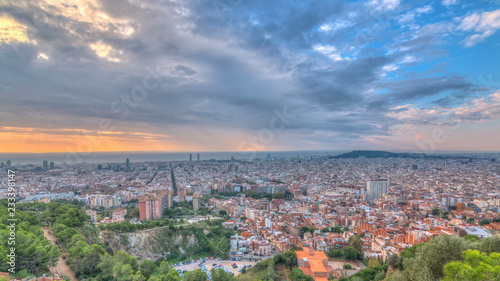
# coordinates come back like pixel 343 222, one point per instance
pixel 120 157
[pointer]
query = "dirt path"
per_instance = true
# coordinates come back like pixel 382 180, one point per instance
pixel 62 267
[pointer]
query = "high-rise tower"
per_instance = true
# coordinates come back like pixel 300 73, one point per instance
pixel 174 185
pixel 377 189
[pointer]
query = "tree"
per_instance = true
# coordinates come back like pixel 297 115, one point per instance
pixel 76 255
pixel 334 253
pixel 123 272
pixel 297 275
pixel 379 276
pixel 91 258
pixel 432 256
pixel 171 275
pixel 347 266
pixel 394 261
pixel 65 235
pixel 134 212
pixel 33 252
pixel 356 242
pixel 435 212
pixel 270 274
pixel 373 262
pixel 119 263
pixel 350 253
pixel 445 215
pixel 490 244
pixel 138 277
pixel 472 238
pixel 336 229
pixel 412 251
pixel 289 258
pixel 476 266
pixel 278 195
pixel 484 222
pixel 195 275
pixel 396 276
pixel 374 273
pixel 305 229
pixel 221 275
pixel 106 266
pixel 147 268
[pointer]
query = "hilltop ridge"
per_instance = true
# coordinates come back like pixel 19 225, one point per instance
pixel 387 154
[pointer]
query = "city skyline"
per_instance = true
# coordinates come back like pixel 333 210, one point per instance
pixel 97 76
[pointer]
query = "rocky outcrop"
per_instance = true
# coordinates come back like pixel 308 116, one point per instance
pixel 150 244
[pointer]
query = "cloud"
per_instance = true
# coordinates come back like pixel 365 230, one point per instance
pixel 414 89
pixel 220 70
pixel 476 110
pixel 476 38
pixel 384 4
pixel 329 51
pixel 437 28
pixel 409 17
pixel 105 51
pixel 448 3
pixel 484 24
pixel 481 22
pixel 12 31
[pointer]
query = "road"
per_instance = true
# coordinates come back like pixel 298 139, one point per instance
pixel 159 227
pixel 62 267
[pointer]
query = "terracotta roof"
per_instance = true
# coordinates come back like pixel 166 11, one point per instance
pixel 493 226
pixel 315 260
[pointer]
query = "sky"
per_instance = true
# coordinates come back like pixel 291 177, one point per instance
pixel 240 75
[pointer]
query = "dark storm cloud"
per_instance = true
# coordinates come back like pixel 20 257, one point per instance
pixel 412 89
pixel 225 64
pixel 344 86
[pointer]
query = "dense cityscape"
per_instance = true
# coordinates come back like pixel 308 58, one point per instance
pixel 276 205
pixel 249 140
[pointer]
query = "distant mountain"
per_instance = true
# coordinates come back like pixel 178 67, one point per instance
pixel 372 154
pixel 387 154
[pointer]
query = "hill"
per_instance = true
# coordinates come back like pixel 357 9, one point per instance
pixel 387 154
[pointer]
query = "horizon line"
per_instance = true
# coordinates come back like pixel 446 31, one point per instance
pixel 260 151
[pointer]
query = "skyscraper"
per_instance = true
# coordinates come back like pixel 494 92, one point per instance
pixel 45 165
pixel 377 189
pixel 52 165
pixel 174 185
pixel 196 201
pixel 9 164
pixel 198 157
pixel 127 165
pixel 190 157
pixel 151 206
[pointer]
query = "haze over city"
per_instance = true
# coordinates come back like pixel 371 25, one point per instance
pixel 238 140
pixel 249 75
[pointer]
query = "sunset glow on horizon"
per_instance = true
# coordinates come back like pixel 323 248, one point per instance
pixel 249 76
